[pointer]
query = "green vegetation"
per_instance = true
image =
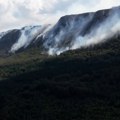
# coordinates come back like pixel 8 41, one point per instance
pixel 20 63
pixel 77 85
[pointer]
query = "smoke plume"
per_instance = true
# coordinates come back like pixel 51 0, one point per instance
pixel 72 34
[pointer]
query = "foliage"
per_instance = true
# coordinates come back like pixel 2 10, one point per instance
pixel 77 85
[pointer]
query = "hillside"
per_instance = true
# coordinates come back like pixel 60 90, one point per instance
pixel 80 84
pixel 69 33
pixel 66 71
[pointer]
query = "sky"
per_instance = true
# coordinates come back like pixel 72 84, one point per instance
pixel 19 13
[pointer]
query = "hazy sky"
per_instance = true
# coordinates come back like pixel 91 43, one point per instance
pixel 18 13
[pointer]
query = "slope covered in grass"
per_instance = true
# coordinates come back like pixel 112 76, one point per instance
pixel 81 84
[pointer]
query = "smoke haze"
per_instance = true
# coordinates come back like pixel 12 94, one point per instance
pixel 70 32
pixel 99 33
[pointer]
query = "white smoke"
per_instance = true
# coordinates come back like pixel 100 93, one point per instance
pixel 60 38
pixel 55 43
pixel 106 30
pixel 28 34
pixel 102 32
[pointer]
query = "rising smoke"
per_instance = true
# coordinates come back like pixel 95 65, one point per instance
pixel 28 34
pixel 100 33
pixel 105 31
pixel 68 33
